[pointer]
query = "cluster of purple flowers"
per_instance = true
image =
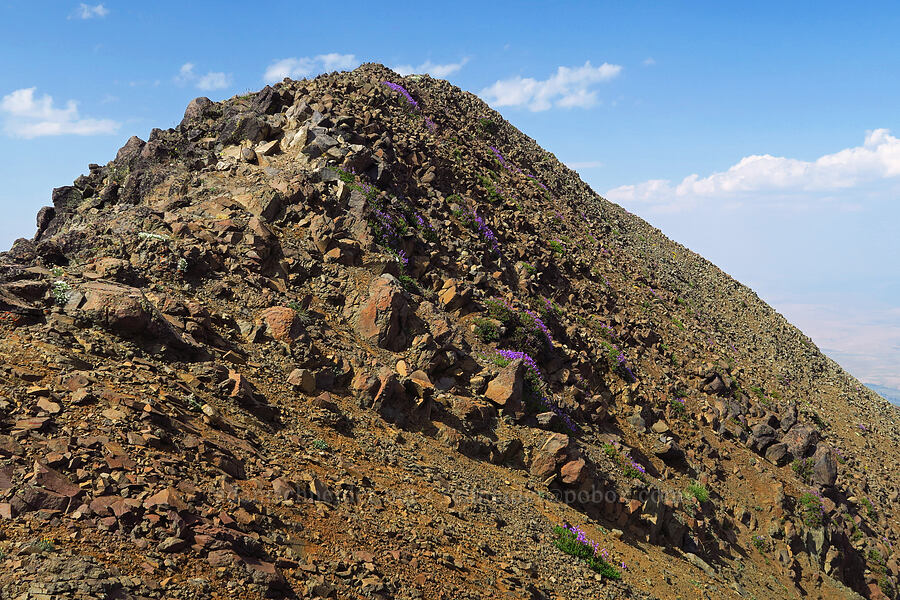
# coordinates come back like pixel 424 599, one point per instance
pixel 399 88
pixel 388 226
pixel 503 162
pixel 607 328
pixel 512 355
pixel 486 232
pixel 430 124
pixel 513 169
pixel 562 414
pixel 540 325
pixel 639 468
pixel 537 181
pixel 581 538
pixel 390 236
pixel 621 359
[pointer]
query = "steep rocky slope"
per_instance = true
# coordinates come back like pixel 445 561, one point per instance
pixel 358 337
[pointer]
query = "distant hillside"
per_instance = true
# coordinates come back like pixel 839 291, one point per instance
pixel 890 394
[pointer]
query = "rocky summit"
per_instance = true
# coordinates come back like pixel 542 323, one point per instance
pixel 358 337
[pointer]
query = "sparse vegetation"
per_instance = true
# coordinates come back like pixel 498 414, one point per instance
pixel 698 491
pixel 573 542
pixel 804 469
pixel 812 512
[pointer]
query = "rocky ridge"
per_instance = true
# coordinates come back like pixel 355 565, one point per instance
pixel 359 337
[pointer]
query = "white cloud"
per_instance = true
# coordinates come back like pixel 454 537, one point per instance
pixel 435 70
pixel 785 180
pixel 569 87
pixel 296 68
pixel 28 117
pixel 213 80
pixel 649 61
pixel 86 11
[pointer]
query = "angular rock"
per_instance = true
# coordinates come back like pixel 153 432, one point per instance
pixel 383 318
pixel 507 387
pixel 282 323
pixel 778 454
pixel 824 466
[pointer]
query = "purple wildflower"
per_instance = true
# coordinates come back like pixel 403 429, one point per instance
pixel 399 88
pixel 430 124
pixel 562 414
pixel 486 232
pixel 540 325
pixel 512 355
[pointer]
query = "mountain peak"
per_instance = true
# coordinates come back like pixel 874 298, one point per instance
pixel 359 336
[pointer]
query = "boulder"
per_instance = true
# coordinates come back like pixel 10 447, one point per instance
pixel 383 318
pixel 196 109
pixel 126 311
pixel 824 467
pixel 761 437
pixel 303 379
pixel 799 440
pixel 572 472
pixel 506 388
pixel 778 454
pixel 282 323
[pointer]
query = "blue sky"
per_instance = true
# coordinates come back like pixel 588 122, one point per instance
pixel 760 135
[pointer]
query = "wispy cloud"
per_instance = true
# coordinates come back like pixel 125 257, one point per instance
pixel 308 65
pixel 25 116
pixel 587 164
pixel 86 11
pixel 569 87
pixel 784 180
pixel 212 80
pixel 435 70
pixel 649 61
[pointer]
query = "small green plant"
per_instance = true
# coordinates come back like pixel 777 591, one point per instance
pixel 812 512
pixel 887 587
pixel 804 469
pixel 46 545
pixel 633 470
pixel 870 509
pixel 678 323
pixel 530 268
pixel 557 246
pixel 61 292
pixel 410 284
pixel 320 444
pixel 875 557
pixel 57 272
pixel 698 491
pixel 486 126
pixel 577 545
pixel 486 330
pixel 610 451
pixel 302 314
pixel 761 543
pixel 492 194
pixel 194 404
pixel 182 266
